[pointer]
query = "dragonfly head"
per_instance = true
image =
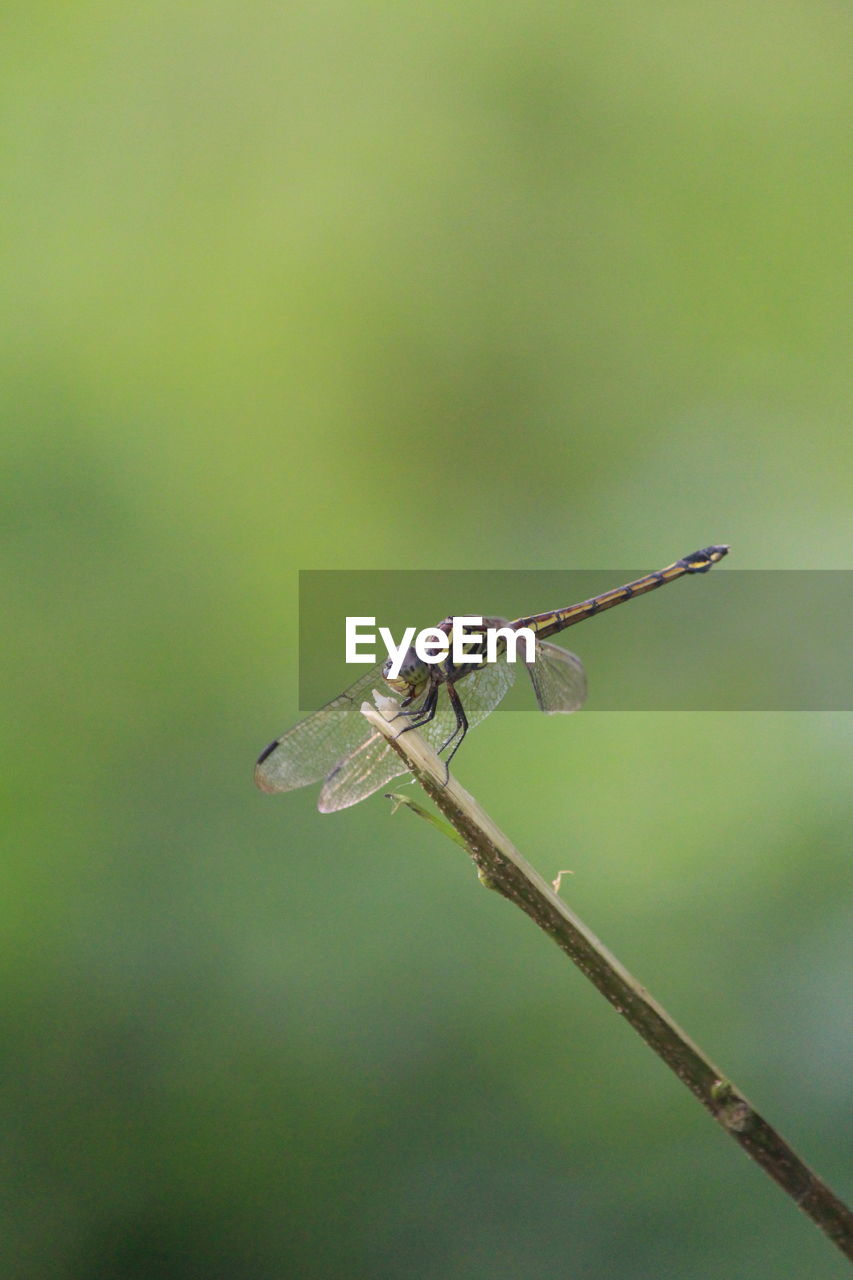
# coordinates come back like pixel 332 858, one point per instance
pixel 413 676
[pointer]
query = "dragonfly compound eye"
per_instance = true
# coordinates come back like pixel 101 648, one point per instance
pixel 412 674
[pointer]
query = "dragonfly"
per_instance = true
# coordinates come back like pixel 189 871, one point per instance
pixel 338 747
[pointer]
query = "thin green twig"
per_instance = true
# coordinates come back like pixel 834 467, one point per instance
pixel 399 801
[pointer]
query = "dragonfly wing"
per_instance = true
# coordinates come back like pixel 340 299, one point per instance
pixel 483 689
pixel 373 764
pixel 358 775
pixel 558 678
pixel 308 751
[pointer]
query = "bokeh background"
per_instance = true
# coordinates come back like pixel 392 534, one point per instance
pixel 343 285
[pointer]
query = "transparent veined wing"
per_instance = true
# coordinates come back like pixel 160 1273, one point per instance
pixel 373 763
pixel 312 748
pixel 359 774
pixel 483 689
pixel 559 679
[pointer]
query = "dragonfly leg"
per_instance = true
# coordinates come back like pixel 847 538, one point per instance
pixel 403 714
pixel 461 728
pixel 427 713
pixel 423 714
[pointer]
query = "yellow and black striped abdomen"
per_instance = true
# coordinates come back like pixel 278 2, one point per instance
pixel 548 624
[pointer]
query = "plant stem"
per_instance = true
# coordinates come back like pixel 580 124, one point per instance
pixel 502 867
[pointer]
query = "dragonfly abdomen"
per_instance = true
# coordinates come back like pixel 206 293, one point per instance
pixel 548 624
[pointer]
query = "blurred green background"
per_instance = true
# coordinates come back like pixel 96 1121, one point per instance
pixel 386 286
